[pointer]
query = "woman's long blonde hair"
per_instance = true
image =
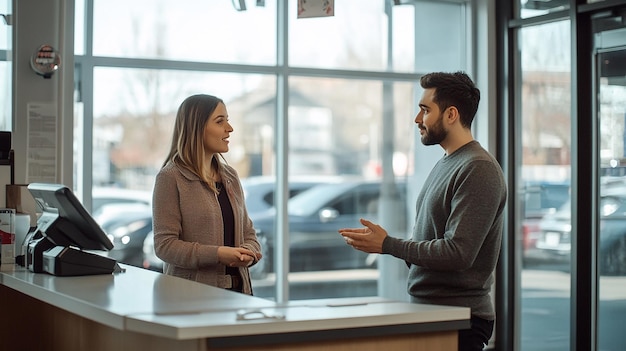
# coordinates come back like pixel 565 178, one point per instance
pixel 187 149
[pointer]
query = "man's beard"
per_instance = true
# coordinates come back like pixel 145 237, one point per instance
pixel 435 134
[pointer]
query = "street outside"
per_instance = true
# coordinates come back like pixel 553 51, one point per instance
pixel 545 309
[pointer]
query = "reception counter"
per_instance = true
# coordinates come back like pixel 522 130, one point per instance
pixel 145 310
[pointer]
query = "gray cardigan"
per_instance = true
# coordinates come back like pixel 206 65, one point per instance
pixel 188 225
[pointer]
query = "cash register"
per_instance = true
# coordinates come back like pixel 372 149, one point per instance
pixel 67 240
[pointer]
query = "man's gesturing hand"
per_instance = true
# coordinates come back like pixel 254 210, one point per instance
pixel 369 239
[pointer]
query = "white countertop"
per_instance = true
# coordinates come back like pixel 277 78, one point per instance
pixel 109 298
pixel 156 304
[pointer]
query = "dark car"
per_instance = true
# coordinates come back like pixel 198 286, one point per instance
pixel 259 190
pixel 539 199
pixel 125 215
pixel 103 197
pixel 259 193
pixel 555 239
pixel 314 218
pixel 127 229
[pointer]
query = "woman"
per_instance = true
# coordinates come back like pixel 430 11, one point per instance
pixel 202 231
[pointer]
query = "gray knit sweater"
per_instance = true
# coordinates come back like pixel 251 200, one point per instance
pixel 457 233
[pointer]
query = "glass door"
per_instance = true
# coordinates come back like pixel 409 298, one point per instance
pixel 543 225
pixel 610 83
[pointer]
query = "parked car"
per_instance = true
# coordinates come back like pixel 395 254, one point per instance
pixel 555 239
pixel 102 196
pixel 539 199
pixel 259 190
pixel 259 193
pixel 314 217
pixel 127 230
pixel 125 215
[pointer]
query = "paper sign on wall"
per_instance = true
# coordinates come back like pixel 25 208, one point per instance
pixel 316 8
pixel 42 143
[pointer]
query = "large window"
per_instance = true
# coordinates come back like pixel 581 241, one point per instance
pixel 358 41
pixel 348 105
pixel 185 30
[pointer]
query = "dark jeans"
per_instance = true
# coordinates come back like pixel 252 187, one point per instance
pixel 476 338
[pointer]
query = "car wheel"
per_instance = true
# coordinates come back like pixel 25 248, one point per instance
pixel 614 260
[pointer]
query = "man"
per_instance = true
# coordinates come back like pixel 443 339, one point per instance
pixel 459 222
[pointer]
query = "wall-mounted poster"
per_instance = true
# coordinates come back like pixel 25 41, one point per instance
pixel 41 150
pixel 316 8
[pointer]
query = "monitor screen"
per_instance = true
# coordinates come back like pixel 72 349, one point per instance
pixel 64 220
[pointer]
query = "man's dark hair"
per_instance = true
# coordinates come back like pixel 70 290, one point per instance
pixel 454 89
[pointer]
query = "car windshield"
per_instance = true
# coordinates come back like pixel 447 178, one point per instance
pixel 310 201
pixel 543 198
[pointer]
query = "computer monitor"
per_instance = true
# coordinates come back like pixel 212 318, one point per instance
pixel 64 231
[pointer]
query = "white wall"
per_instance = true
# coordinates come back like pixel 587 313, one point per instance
pixel 35 23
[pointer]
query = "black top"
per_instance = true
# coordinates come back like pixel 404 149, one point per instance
pixel 229 222
pixel 227 216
